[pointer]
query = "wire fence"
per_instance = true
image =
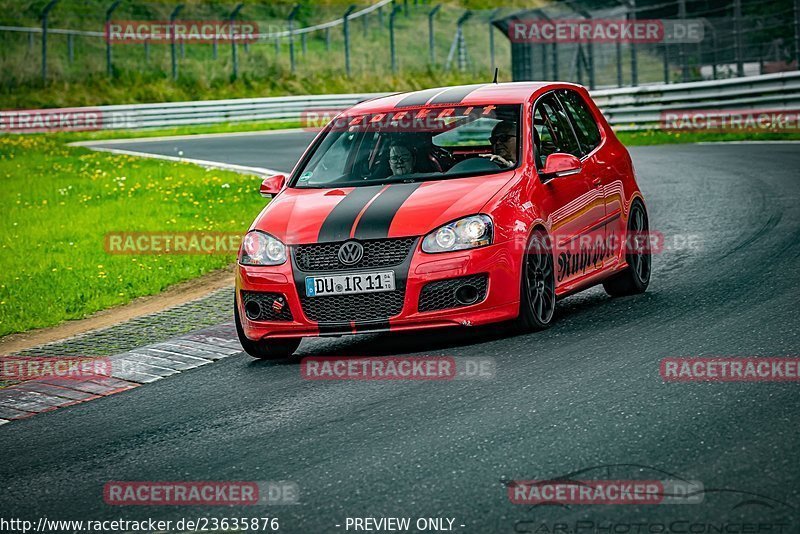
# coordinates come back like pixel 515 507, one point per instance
pixel 71 40
pixel 698 40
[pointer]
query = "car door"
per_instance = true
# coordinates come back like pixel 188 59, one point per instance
pixel 598 164
pixel 575 205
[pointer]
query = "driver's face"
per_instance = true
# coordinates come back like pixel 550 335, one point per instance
pixel 504 144
pixel 401 160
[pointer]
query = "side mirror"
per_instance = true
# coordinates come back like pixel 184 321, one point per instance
pixel 560 164
pixel 272 185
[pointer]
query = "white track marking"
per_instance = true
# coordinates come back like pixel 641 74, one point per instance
pixel 101 142
pixel 243 169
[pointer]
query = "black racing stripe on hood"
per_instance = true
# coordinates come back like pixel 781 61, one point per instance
pixel 418 98
pixel 454 95
pixel 339 222
pixel 378 217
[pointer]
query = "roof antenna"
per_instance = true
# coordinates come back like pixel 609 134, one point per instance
pixel 496 70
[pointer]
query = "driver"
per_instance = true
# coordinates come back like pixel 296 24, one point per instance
pixel 504 144
pixel 401 159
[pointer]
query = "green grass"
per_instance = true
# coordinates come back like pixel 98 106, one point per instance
pixel 658 137
pixel 58 204
pixel 262 70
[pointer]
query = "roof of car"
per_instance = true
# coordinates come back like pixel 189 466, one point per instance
pixel 460 95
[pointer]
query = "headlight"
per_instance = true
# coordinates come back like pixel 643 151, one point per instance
pixel 469 232
pixel 259 248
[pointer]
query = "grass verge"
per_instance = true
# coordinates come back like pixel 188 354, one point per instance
pixel 60 202
pixel 658 137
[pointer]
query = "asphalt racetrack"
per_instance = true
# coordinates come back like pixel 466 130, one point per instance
pixel 583 399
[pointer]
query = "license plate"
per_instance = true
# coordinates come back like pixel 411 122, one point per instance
pixel 348 284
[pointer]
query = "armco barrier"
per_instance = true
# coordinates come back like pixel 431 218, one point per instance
pixel 633 108
pixel 638 108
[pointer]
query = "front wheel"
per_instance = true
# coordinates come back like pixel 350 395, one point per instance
pixel 636 276
pixel 273 349
pixel 538 293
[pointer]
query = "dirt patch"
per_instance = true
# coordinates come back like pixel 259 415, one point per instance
pixel 175 295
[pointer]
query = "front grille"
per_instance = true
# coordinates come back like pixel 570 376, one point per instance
pixel 377 253
pixel 265 310
pixel 359 307
pixel 441 295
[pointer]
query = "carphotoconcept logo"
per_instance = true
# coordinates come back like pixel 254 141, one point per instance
pixel 641 485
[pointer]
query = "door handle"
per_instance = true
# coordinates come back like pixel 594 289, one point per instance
pixel 597 182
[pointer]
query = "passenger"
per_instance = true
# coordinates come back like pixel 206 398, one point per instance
pixel 401 158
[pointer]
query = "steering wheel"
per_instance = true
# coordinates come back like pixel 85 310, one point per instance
pixel 442 156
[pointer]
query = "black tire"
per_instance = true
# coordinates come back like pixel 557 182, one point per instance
pixel 538 292
pixel 636 276
pixel 274 349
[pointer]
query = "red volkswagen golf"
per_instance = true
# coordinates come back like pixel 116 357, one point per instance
pixel 452 206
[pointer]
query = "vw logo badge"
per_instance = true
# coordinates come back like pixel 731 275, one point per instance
pixel 351 253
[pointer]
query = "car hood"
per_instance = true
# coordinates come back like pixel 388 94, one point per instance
pixel 298 216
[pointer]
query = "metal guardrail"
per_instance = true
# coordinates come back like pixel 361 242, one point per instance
pixel 633 108
pixel 220 111
pixel 638 108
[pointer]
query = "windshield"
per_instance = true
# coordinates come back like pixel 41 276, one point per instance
pixel 415 144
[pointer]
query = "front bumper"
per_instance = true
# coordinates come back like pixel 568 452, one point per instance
pixel 500 263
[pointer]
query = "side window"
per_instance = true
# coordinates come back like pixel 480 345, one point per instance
pixel 339 152
pixel 553 131
pixel 476 132
pixel 582 119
